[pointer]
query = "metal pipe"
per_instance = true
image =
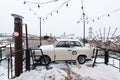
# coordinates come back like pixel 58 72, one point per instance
pixel 27 51
pixel 113 33
pixel 40 33
pixel 26 36
pixel 11 61
pixel 83 23
pixel 8 67
pixel 100 33
pixel 97 34
pixel 108 33
pixel 104 34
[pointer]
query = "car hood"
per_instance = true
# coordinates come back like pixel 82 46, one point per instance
pixel 47 47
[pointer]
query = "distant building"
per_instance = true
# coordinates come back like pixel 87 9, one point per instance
pixel 90 33
pixel 69 36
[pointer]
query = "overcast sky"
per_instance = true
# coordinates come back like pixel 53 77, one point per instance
pixel 67 18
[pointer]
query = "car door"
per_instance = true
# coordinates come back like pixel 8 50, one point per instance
pixel 63 51
pixel 76 49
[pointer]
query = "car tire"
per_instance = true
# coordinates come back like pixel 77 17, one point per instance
pixel 81 59
pixel 45 60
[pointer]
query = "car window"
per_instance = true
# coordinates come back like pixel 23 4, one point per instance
pixel 75 44
pixel 55 43
pixel 63 44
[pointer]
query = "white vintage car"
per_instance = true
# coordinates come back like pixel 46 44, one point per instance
pixel 64 49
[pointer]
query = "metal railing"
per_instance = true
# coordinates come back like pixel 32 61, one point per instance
pixel 108 53
pixel 115 58
pixel 27 64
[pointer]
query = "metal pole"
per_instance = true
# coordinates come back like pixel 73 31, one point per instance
pixel 11 61
pixel 100 34
pixel 119 62
pixel 40 33
pixel 8 67
pixel 27 51
pixel 0 54
pixel 26 36
pixel 83 23
pixel 108 34
pixel 104 35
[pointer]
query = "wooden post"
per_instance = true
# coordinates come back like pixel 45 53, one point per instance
pixel 106 59
pixel 96 54
pixel 18 44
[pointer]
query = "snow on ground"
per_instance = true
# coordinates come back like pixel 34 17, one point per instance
pixel 100 72
pixel 3 73
pixel 58 72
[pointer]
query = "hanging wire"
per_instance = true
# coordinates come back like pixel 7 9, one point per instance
pixel 49 13
pixel 101 16
pixel 30 9
pixel 40 3
pixel 58 8
pixel 88 19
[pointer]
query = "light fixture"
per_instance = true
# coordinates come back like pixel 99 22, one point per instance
pixel 34 13
pixel 81 18
pixel 29 9
pixel 55 0
pixel 38 6
pixel 87 22
pixel 51 14
pixel 66 4
pixel 24 2
pixel 78 22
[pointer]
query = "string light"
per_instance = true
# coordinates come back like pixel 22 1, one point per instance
pixel 87 22
pixel 24 2
pixel 56 0
pixel 34 13
pixel 38 6
pixel 78 22
pixel 41 3
pixel 67 5
pixel 51 12
pixel 59 7
pixel 108 14
pixel 29 9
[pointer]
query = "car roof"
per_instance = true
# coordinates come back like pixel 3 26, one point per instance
pixel 67 39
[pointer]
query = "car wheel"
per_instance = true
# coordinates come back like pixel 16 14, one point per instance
pixel 45 60
pixel 81 59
